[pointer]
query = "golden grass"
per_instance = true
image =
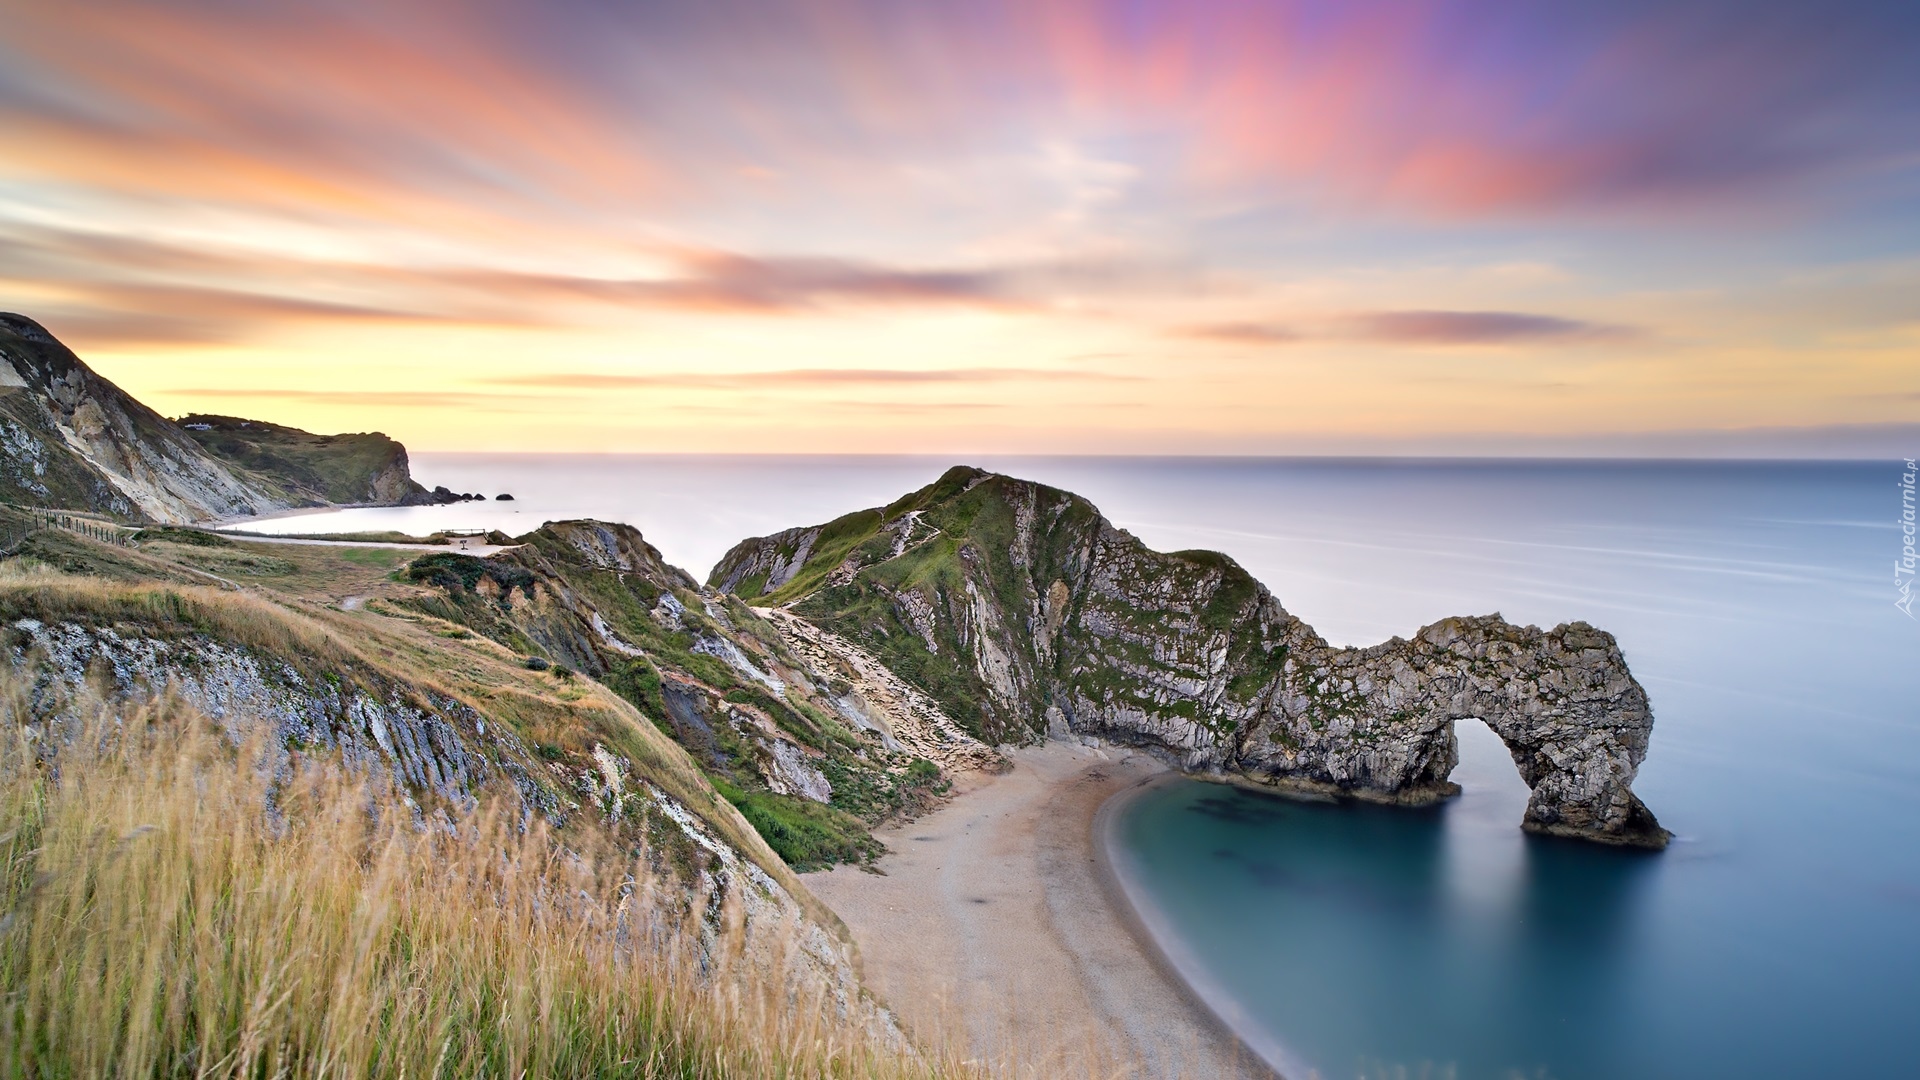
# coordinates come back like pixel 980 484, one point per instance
pixel 239 618
pixel 157 919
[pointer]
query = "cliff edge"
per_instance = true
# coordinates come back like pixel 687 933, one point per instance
pixel 310 469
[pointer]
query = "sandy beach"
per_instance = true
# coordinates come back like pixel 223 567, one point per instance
pixel 996 925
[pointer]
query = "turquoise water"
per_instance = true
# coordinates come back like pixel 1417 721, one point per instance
pixel 1778 937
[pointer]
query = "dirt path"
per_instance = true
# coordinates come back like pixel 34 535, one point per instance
pixel 995 926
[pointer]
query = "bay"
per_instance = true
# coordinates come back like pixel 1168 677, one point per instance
pixel 1778 937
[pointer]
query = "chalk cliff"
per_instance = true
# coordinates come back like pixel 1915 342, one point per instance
pixel 1021 610
pixel 71 439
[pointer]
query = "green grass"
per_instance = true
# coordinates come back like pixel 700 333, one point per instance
pixel 375 557
pixel 176 535
pixel 806 834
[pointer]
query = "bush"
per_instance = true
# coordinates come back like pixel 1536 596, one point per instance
pixel 537 663
pixel 808 835
pixel 458 573
pixel 635 680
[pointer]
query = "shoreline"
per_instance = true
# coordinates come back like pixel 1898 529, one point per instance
pixel 998 925
pixel 1153 929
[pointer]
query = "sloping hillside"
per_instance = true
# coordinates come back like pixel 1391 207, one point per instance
pixel 814 749
pixel 72 439
pixel 512 841
pixel 453 718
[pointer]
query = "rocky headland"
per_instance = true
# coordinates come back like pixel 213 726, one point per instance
pixel 827 686
pixel 1022 612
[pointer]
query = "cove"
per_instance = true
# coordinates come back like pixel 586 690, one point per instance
pixel 1778 936
pixel 1357 940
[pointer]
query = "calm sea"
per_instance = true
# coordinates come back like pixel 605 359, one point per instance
pixel 1778 937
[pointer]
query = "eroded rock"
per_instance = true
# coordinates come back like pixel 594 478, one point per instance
pixel 1034 613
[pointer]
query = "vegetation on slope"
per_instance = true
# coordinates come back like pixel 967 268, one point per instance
pixel 559 730
pixel 308 468
pixel 717 679
pixel 171 904
pixel 935 543
pixel 974 589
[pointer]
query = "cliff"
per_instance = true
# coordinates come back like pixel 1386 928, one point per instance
pixel 309 469
pixel 71 439
pixel 813 745
pixel 1020 610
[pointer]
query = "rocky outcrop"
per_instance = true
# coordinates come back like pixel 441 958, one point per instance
pixel 427 742
pixel 1019 608
pixel 71 439
pixel 305 468
pixel 767 562
pixel 1570 713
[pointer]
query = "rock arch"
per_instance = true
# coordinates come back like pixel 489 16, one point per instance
pixel 1379 722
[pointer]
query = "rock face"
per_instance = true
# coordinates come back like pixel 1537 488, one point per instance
pixel 309 469
pixel 796 725
pixel 71 439
pixel 1020 609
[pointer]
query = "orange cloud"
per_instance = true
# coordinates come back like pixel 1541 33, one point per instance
pixel 411 113
pixel 802 377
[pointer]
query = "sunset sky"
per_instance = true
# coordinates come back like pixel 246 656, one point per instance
pixel 1025 225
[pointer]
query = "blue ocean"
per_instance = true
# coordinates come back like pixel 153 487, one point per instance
pixel 1779 936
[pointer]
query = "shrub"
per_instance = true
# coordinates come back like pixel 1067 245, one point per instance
pixel 458 573
pixel 805 833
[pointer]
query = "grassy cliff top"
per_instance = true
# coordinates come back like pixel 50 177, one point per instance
pixel 346 468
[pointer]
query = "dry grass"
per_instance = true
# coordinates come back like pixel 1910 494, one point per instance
pixel 388 652
pixel 239 618
pixel 168 908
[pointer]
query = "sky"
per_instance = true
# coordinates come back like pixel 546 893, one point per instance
pixel 1208 226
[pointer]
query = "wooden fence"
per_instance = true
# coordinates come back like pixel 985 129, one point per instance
pixel 38 518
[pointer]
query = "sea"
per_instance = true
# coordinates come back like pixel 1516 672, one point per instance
pixel 1778 936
